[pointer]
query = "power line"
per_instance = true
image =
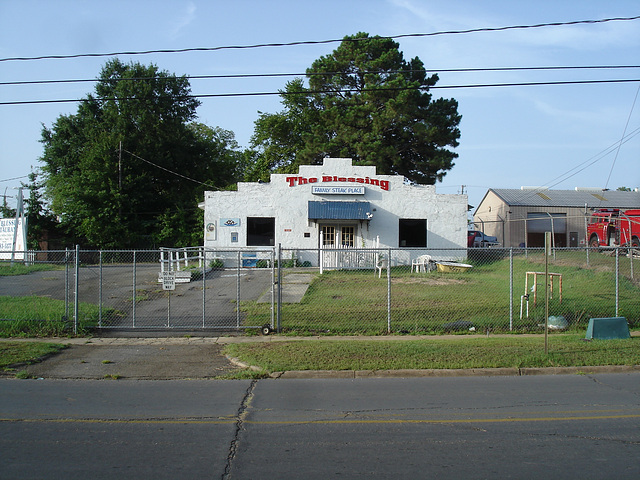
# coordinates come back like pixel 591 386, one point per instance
pixel 319 92
pixel 169 171
pixel 581 166
pixel 310 74
pixel 14 178
pixel 623 135
pixel 319 42
pixel 571 172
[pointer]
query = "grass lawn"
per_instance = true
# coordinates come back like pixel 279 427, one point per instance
pixel 6 269
pixel 25 352
pixel 437 352
pixel 41 317
pixel 355 301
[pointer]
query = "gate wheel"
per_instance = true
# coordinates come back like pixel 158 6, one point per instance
pixel 266 329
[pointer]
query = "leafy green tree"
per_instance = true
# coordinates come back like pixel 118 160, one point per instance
pixel 5 210
pixel 128 169
pixel 364 101
pixel 40 220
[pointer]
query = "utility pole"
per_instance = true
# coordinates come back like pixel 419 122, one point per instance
pixel 120 167
pixel 21 220
pixel 120 181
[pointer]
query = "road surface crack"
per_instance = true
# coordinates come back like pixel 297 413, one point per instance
pixel 243 411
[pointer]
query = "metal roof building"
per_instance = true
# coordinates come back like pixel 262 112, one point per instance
pixel 519 217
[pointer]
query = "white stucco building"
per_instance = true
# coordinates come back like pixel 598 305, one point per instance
pixel 335 205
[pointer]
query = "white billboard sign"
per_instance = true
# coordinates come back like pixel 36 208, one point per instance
pixel 7 232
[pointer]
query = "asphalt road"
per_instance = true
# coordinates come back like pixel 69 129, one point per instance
pixel 552 427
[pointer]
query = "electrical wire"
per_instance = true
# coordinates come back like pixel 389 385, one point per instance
pixel 169 171
pixel 14 178
pixel 580 167
pixel 569 173
pixel 320 42
pixel 311 74
pixel 320 92
pixel 623 135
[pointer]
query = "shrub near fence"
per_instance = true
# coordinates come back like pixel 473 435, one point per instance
pixel 236 290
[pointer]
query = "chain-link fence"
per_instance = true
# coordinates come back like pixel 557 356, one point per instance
pixel 418 291
pixel 327 291
pixel 124 289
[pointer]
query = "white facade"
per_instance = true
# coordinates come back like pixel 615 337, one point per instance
pixel 334 205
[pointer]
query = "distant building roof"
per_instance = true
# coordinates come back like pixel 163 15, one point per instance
pixel 539 197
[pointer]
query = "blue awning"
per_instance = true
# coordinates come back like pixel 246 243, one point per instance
pixel 339 210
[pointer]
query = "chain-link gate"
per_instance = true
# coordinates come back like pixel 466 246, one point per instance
pixel 124 289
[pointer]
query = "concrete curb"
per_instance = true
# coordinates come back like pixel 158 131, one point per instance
pixel 205 340
pixel 471 372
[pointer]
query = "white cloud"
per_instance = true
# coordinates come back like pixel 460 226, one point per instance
pixel 184 20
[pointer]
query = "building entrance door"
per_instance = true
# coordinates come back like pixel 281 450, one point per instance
pixel 334 238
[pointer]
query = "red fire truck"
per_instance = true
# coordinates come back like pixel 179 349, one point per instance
pixel 611 227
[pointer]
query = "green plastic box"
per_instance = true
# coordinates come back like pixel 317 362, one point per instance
pixel 610 328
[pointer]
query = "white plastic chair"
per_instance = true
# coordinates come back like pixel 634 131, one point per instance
pixel 421 264
pixel 381 265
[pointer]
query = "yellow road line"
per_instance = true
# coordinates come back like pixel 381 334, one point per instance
pixel 321 422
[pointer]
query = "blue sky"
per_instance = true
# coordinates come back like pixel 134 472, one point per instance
pixel 553 136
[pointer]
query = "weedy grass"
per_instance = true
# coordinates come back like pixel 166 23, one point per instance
pixel 35 316
pixel 244 374
pixel 9 269
pixel 355 301
pixel 476 351
pixel 13 353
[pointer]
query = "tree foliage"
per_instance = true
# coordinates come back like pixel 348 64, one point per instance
pixel 364 101
pixel 5 210
pixel 127 170
pixel 40 220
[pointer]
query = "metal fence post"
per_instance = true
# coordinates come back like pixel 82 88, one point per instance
pixel 204 285
pixel 66 284
pixel 389 292
pixel 134 291
pixel 511 289
pixel 586 229
pixel 617 279
pixel 100 291
pixel 279 283
pixel 238 291
pixel 76 303
pixel 272 254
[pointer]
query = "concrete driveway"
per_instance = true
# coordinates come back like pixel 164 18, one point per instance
pixel 133 298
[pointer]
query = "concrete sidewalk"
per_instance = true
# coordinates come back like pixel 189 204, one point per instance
pixel 168 358
pixel 294 286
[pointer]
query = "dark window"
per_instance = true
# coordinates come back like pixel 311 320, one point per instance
pixel 412 232
pixel 261 231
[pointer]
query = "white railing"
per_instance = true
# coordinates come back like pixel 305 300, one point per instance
pixel 175 259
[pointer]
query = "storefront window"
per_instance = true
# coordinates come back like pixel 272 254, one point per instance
pixel 412 232
pixel 261 231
